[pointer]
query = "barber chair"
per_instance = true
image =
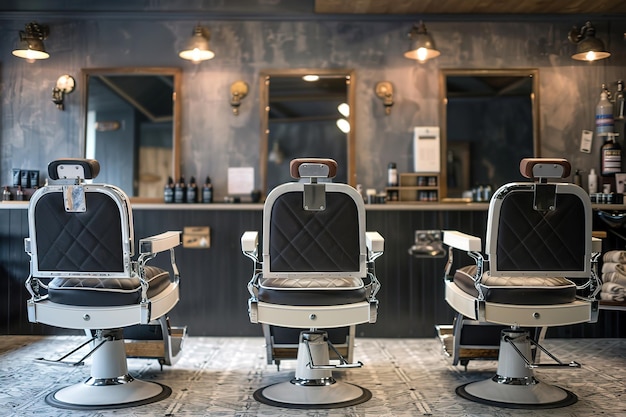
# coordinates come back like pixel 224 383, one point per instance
pixel 316 274
pixel 82 276
pixel 539 270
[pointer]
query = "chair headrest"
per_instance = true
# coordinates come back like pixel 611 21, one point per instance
pixel 313 168
pixel 73 168
pixel 545 168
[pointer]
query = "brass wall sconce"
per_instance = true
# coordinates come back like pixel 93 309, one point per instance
pixel 197 48
pixel 65 85
pixel 31 45
pixel 238 91
pixel 421 46
pixel 589 48
pixel 384 91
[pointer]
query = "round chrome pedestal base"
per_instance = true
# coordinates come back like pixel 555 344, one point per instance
pixel 88 396
pixel 290 395
pixel 532 396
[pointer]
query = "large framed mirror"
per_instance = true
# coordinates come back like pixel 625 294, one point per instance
pixel 132 127
pixel 489 122
pixel 306 113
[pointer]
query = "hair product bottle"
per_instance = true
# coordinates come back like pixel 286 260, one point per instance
pixel 611 156
pixel 207 191
pixel 180 191
pixel 192 191
pixel 168 191
pixel 604 115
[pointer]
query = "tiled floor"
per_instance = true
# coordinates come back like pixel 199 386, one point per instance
pixel 407 377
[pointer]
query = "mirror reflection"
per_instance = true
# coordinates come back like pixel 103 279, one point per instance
pixel 132 123
pixel 304 116
pixel 489 123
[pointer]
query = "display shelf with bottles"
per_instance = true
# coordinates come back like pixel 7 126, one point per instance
pixel 418 187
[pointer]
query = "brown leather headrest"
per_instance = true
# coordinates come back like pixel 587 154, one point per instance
pixel 527 165
pixel 295 164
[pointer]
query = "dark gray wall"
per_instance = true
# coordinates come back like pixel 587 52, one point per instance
pixel 33 131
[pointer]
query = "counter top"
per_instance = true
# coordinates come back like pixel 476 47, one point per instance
pixel 368 207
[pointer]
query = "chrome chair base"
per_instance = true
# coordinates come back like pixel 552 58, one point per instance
pixel 291 395
pixel 86 396
pixel 110 384
pixel 537 395
pixel 515 385
pixel 314 385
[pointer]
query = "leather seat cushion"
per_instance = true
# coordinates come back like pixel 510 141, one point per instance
pixel 101 292
pixel 311 291
pixel 517 290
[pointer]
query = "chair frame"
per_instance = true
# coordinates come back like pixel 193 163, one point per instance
pixel 110 385
pixel 514 385
pixel 313 385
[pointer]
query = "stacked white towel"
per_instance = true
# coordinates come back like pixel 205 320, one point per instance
pixel 614 276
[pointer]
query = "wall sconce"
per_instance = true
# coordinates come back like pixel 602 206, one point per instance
pixel 65 85
pixel 197 48
pixel 238 91
pixel 31 42
pixel 589 48
pixel 384 91
pixel 421 45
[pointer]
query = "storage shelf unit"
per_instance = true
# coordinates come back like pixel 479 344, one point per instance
pixel 419 187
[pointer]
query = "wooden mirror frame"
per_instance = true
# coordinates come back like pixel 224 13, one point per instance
pixel 176 73
pixel 533 73
pixel 264 90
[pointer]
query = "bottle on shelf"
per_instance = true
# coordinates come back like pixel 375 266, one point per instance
pixel 168 191
pixel 604 114
pixel 192 191
pixel 592 182
pixel 392 181
pixel 180 191
pixel 578 178
pixel 207 191
pixel 610 156
pixel 7 195
pixel 19 194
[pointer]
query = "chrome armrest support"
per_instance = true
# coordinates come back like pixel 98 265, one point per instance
pixel 470 244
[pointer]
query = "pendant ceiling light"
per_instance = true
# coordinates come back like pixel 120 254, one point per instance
pixel 31 45
pixel 197 48
pixel 422 47
pixel 589 48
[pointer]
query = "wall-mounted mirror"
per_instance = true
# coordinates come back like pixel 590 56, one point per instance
pixel 489 122
pixel 304 116
pixel 132 127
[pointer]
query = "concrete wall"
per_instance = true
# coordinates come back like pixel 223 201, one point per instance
pixel 33 131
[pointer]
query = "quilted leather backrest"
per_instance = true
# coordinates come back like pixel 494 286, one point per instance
pixel 546 241
pixel 90 241
pixel 314 241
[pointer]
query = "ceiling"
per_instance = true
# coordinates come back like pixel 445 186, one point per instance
pixel 311 9
pixel 470 6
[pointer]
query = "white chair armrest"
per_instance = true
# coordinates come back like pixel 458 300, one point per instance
pixel 374 242
pixel 249 242
pixel 160 243
pixel 461 241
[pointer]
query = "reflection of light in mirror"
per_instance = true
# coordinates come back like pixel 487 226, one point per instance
pixel 276 155
pixel 311 77
pixel 344 109
pixel 343 125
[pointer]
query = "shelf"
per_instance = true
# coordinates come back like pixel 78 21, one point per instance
pixel 422 187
